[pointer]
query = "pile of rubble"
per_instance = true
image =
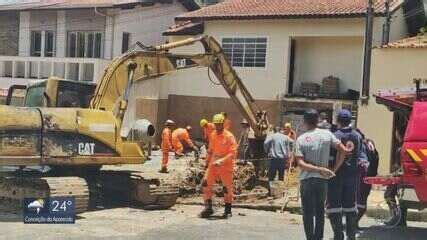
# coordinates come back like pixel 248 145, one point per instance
pixel 245 182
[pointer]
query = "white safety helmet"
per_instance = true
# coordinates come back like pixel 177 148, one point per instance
pixel 169 122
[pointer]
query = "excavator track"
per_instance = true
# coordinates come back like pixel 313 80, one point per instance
pixel 13 190
pixel 152 192
pixel 137 188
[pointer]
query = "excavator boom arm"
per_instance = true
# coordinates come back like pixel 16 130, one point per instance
pixel 157 61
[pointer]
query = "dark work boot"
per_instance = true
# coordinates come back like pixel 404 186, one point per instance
pixel 404 212
pixel 337 227
pixel 360 213
pixel 227 211
pixel 350 224
pixel 207 211
pixel 164 170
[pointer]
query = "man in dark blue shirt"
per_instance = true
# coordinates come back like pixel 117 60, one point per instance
pixel 342 188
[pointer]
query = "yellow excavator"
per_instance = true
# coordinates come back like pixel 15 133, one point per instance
pixel 74 128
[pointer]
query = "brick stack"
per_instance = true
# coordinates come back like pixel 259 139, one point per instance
pixel 330 86
pixel 309 89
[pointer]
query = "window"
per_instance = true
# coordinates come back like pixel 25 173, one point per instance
pixel 49 44
pixel 125 41
pixel 245 52
pixel 72 40
pixel 85 44
pixel 71 94
pixel 35 96
pixel 36 43
pixel 81 44
pixel 42 44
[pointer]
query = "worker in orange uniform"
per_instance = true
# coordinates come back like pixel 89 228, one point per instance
pixel 180 136
pixel 166 144
pixel 220 164
pixel 289 132
pixel 227 121
pixel 207 128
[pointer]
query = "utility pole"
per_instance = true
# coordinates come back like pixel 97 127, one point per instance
pixel 367 53
pixel 386 26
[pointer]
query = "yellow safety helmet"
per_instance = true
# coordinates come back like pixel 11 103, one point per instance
pixel 218 118
pixel 288 125
pixel 203 122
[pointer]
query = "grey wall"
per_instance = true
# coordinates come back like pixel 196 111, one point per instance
pixel 9 33
pixel 84 20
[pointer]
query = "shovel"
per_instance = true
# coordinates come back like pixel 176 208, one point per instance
pixel 287 196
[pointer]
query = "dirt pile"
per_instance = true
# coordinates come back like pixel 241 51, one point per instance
pixel 244 178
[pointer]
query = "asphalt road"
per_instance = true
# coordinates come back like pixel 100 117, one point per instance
pixel 181 222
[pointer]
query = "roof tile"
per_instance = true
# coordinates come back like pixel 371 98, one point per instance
pixel 249 9
pixel 412 42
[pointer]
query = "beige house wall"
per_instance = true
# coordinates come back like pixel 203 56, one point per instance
pixel 391 68
pixel 266 84
pixel 319 57
pixel 270 82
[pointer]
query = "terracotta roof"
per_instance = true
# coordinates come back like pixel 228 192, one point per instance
pixel 413 42
pixel 69 4
pixel 268 9
pixel 185 28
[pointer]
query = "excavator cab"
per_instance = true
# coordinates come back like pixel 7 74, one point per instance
pixel 52 92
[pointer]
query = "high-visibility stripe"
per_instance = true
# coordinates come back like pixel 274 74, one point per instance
pixel 352 209
pixel 424 152
pixel 333 210
pixel 361 206
pixel 413 155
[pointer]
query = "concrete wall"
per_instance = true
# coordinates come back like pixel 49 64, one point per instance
pixel 24 34
pixel 319 57
pixel 189 110
pixel 391 68
pixel 145 24
pixel 43 21
pixel 84 20
pixel 9 36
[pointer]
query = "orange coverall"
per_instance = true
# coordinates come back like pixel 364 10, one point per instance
pixel 207 131
pixel 220 146
pixel 166 145
pixel 227 124
pixel 180 135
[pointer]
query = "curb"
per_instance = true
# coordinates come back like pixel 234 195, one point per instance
pixel 413 215
pixel 373 211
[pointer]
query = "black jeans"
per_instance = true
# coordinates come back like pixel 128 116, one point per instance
pixel 276 165
pixel 313 196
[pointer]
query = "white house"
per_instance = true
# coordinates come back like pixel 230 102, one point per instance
pixel 76 39
pixel 279 48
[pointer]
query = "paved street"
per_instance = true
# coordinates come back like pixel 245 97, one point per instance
pixel 181 223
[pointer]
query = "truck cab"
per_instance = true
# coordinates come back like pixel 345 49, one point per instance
pixel 52 92
pixel 409 145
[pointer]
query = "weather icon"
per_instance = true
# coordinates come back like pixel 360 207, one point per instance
pixel 37 205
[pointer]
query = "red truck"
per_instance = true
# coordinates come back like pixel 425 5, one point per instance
pixel 408 181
